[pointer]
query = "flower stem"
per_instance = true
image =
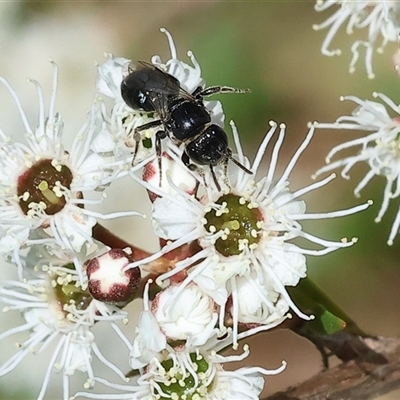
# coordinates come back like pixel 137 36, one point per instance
pixel 157 267
pixel 110 239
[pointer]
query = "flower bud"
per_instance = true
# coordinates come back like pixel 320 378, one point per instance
pixel 171 172
pixel 108 282
pixel 185 314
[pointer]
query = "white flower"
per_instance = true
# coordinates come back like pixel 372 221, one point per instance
pixel 245 231
pixel 123 119
pixel 183 315
pixel 197 374
pixel 57 310
pixel 110 75
pixel 148 342
pixel 258 302
pixel 188 76
pixel 379 148
pixel 42 185
pixel 379 18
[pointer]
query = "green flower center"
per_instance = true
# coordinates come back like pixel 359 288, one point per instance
pixel 67 293
pixel 181 385
pixel 42 184
pixel 239 219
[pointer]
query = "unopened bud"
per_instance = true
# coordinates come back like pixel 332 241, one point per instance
pixel 108 282
pixel 171 172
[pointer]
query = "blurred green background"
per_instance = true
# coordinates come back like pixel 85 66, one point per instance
pixel 267 46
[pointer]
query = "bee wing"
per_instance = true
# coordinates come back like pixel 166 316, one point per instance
pixel 160 104
pixel 166 85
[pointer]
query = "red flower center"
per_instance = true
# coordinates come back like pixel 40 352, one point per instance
pixel 43 184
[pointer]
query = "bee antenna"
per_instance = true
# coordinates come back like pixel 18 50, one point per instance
pixel 215 178
pixel 240 165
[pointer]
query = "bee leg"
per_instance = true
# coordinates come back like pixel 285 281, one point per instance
pixel 198 90
pixel 209 91
pixel 159 136
pixel 217 185
pixel 137 137
pixel 186 161
pixel 225 169
pixel 135 151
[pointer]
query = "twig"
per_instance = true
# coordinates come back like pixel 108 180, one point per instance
pixel 354 380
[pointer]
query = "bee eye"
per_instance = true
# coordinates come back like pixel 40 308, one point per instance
pixel 142 98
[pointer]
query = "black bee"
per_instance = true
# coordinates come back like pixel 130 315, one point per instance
pixel 183 117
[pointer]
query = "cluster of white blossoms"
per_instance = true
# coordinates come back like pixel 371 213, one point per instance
pixel 380 20
pixel 43 184
pixel 46 230
pixel 245 234
pixel 228 246
pixel 380 148
pixel 58 311
pixel 379 120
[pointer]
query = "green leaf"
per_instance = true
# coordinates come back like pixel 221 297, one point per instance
pixel 332 331
pixel 329 317
pixel 325 322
